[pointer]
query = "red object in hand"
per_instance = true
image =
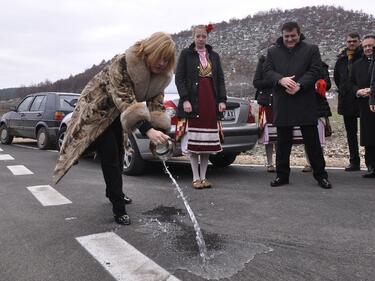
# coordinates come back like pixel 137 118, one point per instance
pixel 321 87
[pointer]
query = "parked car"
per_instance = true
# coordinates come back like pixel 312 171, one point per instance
pixel 38 116
pixel 239 127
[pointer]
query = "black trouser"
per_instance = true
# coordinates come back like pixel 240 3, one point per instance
pixel 351 127
pixel 370 156
pixel 110 147
pixel 312 147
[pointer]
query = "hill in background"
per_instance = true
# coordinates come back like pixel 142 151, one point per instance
pixel 241 41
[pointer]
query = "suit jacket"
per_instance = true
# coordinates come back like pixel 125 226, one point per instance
pixel 361 77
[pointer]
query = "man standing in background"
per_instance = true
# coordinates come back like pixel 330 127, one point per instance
pixel 347 104
pixel 361 79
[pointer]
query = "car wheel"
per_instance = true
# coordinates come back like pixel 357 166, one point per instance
pixel 133 162
pixel 5 136
pixel 42 138
pixel 60 137
pixel 222 159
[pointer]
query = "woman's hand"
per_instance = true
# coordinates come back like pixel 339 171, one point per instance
pixel 187 106
pixel 156 136
pixel 222 107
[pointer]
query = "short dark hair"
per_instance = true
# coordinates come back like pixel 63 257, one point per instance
pixel 368 36
pixel 290 25
pixel 354 35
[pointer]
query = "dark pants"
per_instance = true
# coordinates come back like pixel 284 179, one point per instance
pixel 351 127
pixel 370 156
pixel 110 148
pixel 312 146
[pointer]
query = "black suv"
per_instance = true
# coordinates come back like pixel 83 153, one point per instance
pixel 38 116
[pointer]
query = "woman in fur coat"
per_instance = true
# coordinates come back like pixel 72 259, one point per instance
pixel 111 106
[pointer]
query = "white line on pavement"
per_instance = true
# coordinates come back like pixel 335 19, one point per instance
pixel 122 260
pixel 48 196
pixel 1 149
pixel 35 148
pixel 19 170
pixel 25 146
pixel 6 157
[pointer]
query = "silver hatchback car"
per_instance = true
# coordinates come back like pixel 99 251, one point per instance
pixel 239 127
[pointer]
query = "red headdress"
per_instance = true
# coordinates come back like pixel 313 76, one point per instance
pixel 209 27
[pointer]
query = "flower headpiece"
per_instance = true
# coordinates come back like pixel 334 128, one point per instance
pixel 209 27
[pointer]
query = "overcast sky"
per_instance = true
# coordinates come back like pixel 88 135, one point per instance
pixel 51 39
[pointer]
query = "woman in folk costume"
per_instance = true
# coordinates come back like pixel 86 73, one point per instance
pixel 263 95
pixel 111 107
pixel 200 84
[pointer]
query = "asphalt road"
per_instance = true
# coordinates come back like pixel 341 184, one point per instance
pixel 252 231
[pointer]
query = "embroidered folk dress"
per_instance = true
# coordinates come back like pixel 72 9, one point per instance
pixel 203 131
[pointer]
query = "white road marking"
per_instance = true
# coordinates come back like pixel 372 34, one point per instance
pixel 122 260
pixel 6 157
pixel 25 146
pixel 48 196
pixel 19 170
pixel 1 149
pixel 292 167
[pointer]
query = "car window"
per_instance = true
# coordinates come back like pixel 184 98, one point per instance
pixel 67 102
pixel 38 103
pixel 24 105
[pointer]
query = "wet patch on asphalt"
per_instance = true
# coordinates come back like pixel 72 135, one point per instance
pixel 228 255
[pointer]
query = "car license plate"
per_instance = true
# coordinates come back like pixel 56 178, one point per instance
pixel 229 115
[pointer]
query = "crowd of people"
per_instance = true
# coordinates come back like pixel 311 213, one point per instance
pixel 276 78
pixel 291 80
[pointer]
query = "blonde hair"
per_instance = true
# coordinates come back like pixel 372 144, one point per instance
pixel 158 46
pixel 200 27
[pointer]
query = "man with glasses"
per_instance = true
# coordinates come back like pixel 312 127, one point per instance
pixel 361 79
pixel 347 104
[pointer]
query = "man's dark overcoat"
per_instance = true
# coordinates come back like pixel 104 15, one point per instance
pixel 347 104
pixel 361 77
pixel 304 62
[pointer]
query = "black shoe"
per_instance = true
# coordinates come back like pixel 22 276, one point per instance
pixel 122 219
pixel 127 200
pixel 352 168
pixel 369 175
pixel 279 181
pixel 324 183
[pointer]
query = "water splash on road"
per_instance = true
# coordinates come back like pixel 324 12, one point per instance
pixel 199 237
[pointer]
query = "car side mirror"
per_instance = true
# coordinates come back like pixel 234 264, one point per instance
pixel 13 108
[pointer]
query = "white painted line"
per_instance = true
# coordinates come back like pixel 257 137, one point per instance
pixel 25 146
pixel 1 149
pixel 292 167
pixel 48 196
pixel 35 148
pixel 6 157
pixel 19 170
pixel 122 260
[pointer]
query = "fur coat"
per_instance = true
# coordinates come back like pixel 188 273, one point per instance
pixel 120 88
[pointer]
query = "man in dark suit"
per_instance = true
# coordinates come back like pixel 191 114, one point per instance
pixel 372 86
pixel 361 79
pixel 347 105
pixel 294 66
